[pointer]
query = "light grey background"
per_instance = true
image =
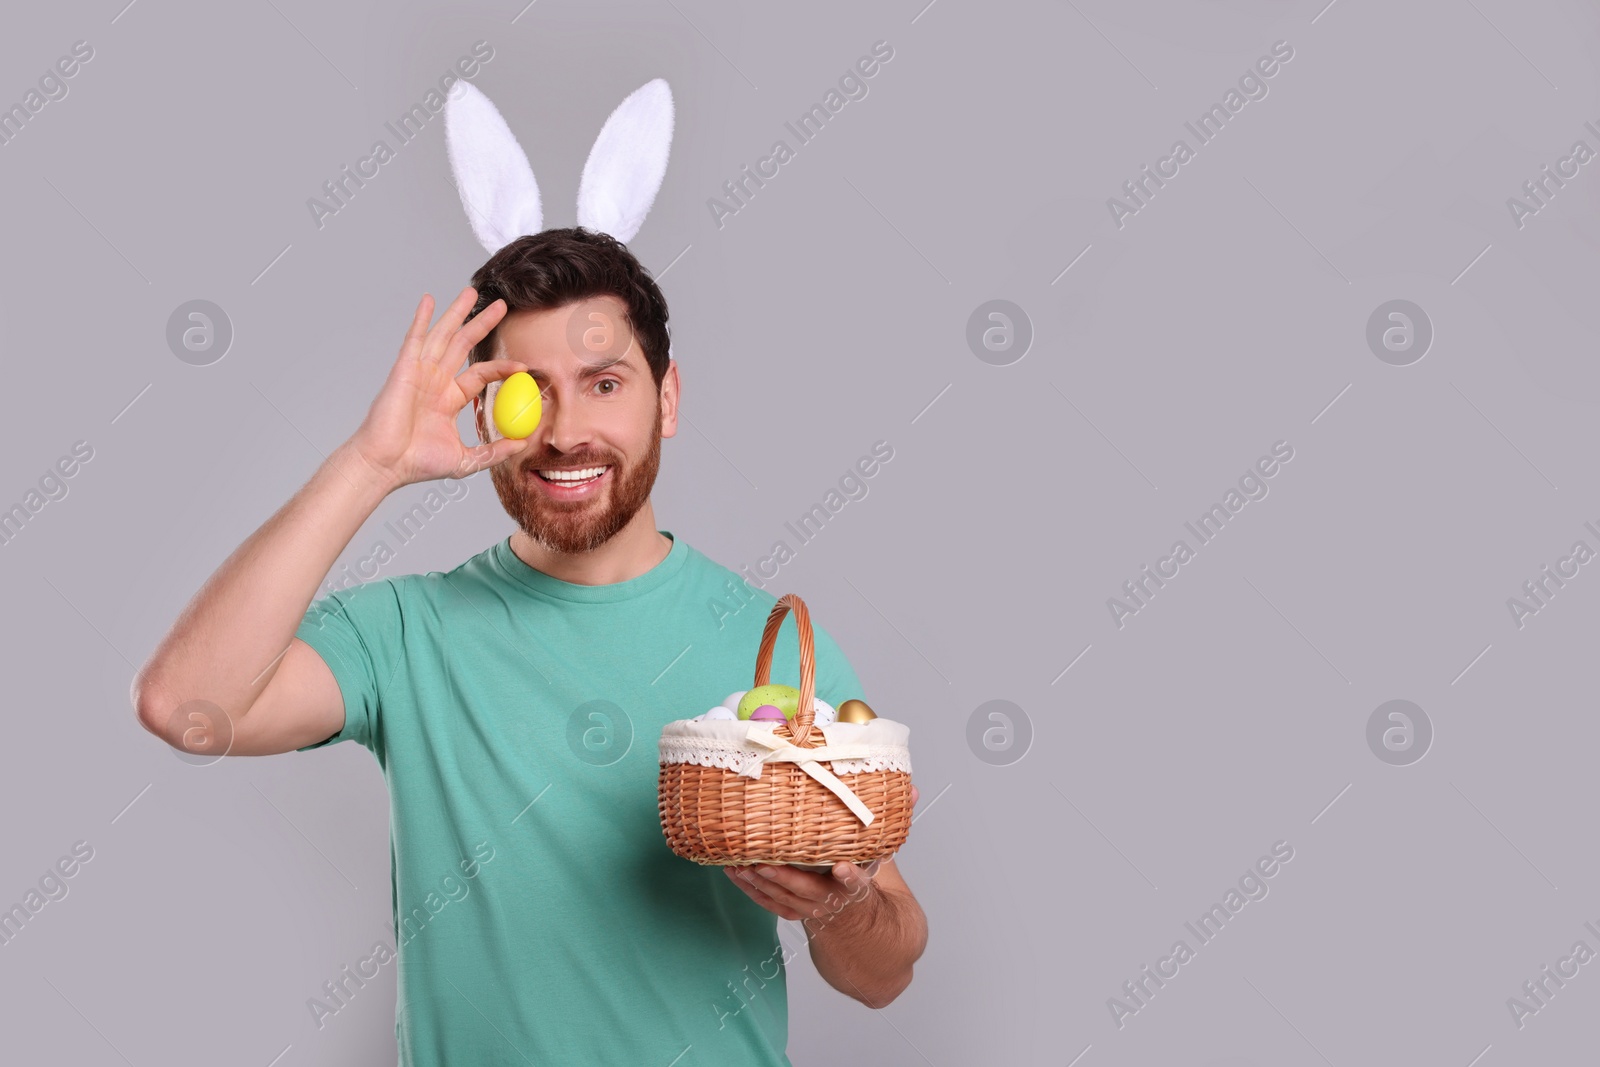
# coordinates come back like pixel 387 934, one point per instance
pixel 832 311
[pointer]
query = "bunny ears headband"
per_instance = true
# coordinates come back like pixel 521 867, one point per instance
pixel 620 179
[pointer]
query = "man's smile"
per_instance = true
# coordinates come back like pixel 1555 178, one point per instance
pixel 571 483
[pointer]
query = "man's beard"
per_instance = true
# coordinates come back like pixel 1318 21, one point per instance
pixel 585 525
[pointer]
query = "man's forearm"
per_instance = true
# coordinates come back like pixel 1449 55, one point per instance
pixel 867 949
pixel 231 634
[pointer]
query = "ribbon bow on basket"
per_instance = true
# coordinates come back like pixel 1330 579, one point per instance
pixel 810 761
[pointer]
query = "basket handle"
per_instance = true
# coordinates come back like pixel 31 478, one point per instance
pixel 805 713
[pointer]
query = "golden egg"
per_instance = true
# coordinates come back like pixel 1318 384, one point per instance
pixel 854 711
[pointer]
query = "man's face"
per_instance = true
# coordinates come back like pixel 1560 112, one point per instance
pixel 601 408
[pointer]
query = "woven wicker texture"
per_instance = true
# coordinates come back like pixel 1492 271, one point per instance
pixel 717 817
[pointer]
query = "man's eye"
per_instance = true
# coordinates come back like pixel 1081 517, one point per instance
pixel 607 381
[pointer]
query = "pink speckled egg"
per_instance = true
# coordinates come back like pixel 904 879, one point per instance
pixel 767 713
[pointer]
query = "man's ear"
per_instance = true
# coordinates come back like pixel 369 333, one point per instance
pixel 669 399
pixel 477 420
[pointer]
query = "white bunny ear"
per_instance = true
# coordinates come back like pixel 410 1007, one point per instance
pixel 492 174
pixel 626 164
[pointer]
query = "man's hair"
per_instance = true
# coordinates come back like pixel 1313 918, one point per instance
pixel 563 266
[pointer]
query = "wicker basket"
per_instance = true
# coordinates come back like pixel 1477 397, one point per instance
pixel 734 793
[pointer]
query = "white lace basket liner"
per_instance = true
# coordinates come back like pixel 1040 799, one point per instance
pixel 736 792
pixel 746 747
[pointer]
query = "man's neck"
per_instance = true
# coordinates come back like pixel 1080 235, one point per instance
pixel 637 548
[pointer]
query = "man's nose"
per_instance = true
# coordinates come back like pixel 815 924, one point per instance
pixel 564 422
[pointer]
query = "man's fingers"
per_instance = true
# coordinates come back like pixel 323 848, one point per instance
pixel 506 448
pixel 760 895
pixel 799 890
pixel 437 343
pixel 474 378
pixel 856 881
pixel 796 894
pixel 419 325
pixel 480 457
pixel 474 331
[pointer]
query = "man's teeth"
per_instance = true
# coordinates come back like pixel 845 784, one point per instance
pixel 572 476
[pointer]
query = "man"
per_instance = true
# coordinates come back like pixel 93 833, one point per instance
pixel 513 702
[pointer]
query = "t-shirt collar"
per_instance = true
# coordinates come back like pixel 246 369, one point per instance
pixel 539 582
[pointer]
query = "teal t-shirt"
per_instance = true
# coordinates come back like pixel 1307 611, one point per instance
pixel 539 915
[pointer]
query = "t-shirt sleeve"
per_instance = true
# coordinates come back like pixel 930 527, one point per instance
pixel 357 632
pixel 836 679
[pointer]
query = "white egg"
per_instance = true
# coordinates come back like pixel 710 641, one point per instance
pixel 720 713
pixel 823 715
pixel 732 703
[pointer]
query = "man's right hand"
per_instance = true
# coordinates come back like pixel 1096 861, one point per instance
pixel 410 434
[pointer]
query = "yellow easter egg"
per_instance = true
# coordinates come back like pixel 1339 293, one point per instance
pixel 518 406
